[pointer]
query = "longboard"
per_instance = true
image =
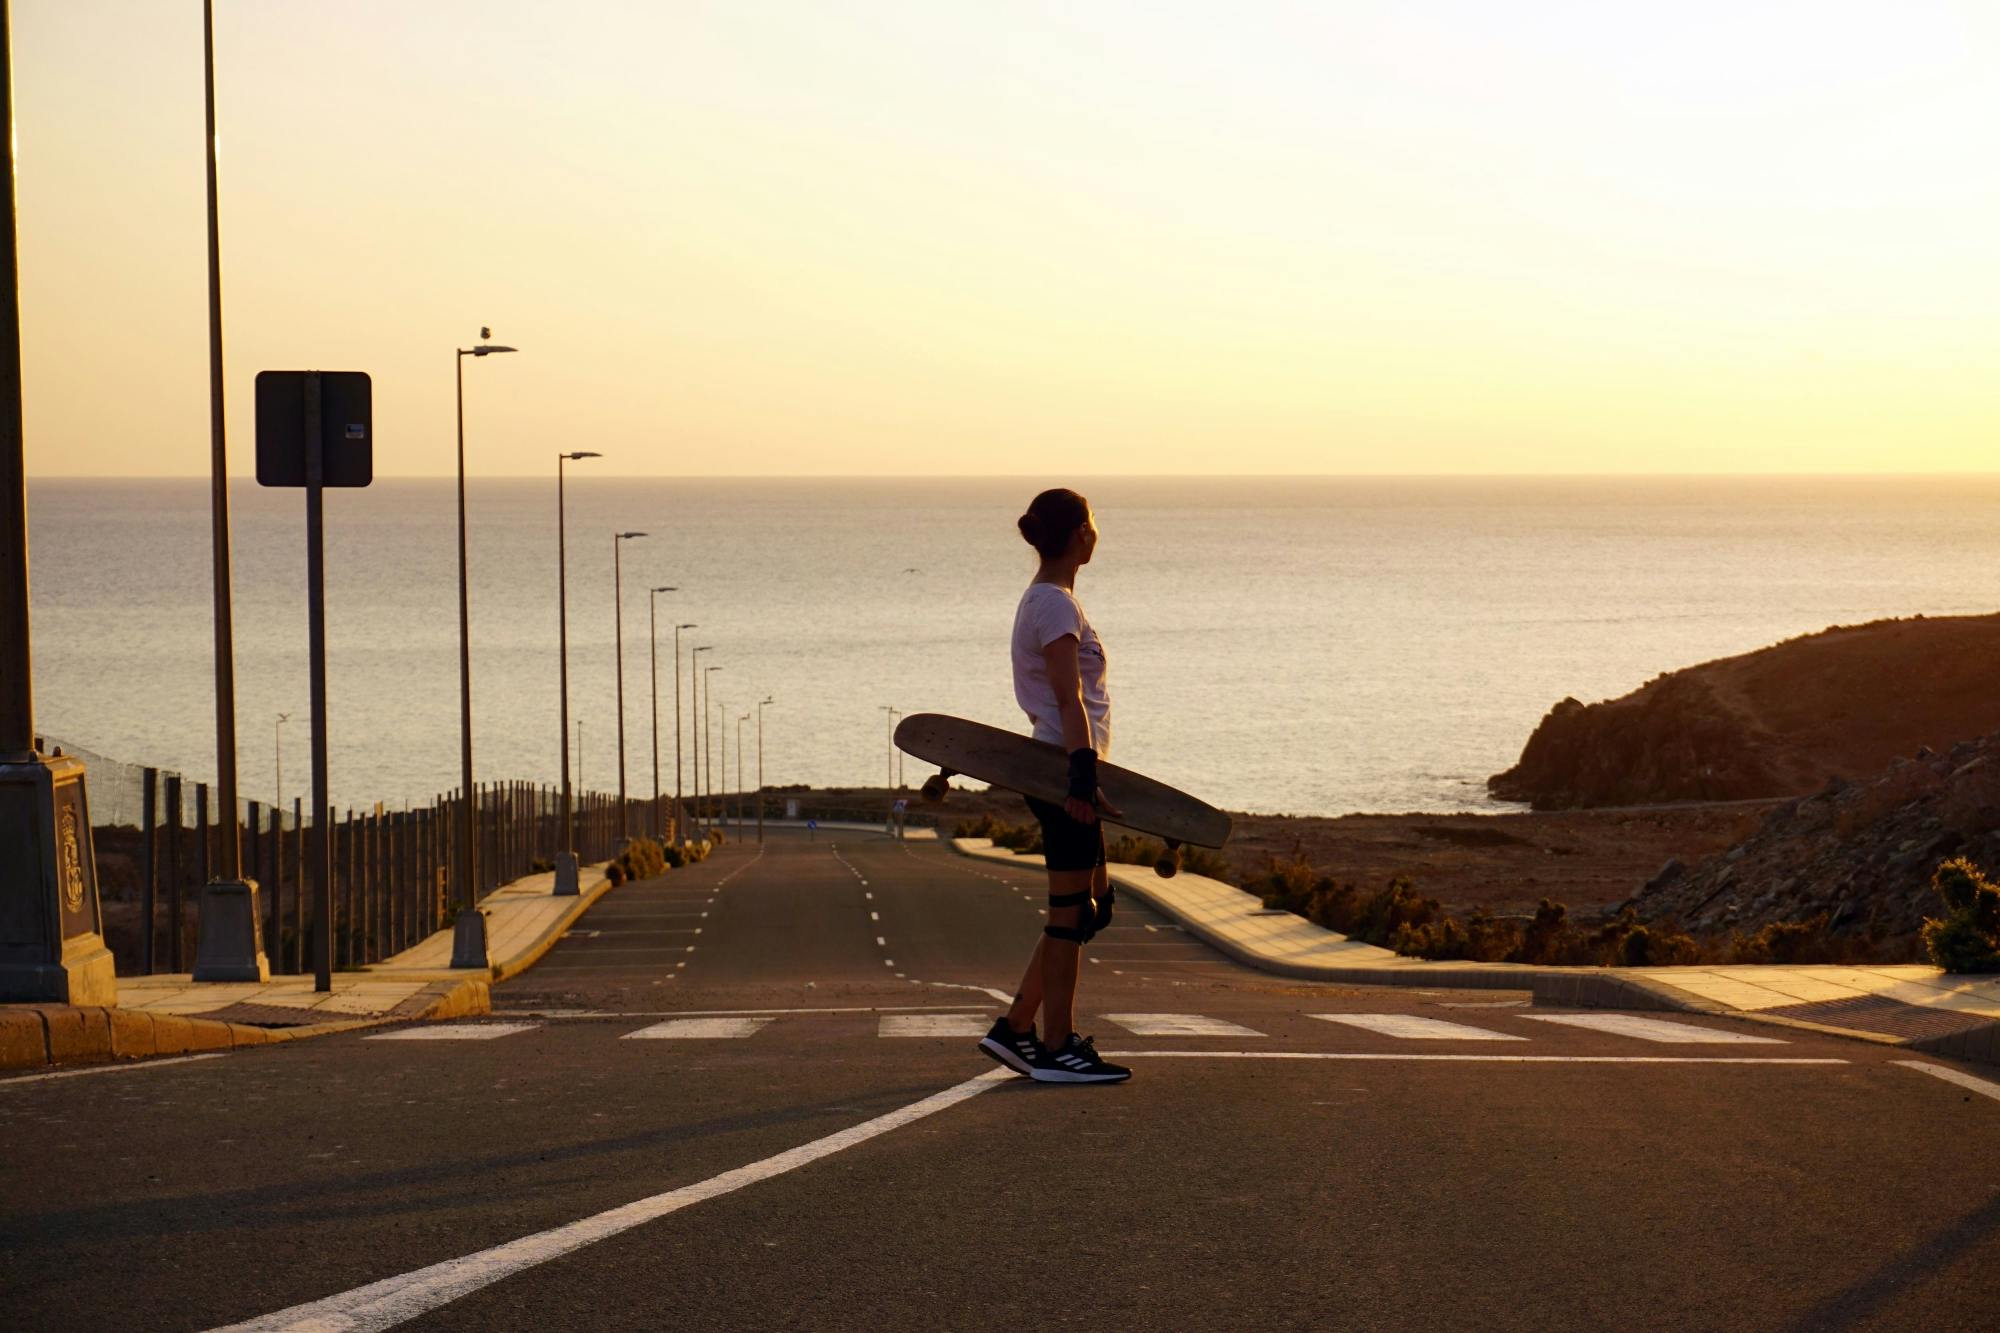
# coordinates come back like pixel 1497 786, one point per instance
pixel 1041 770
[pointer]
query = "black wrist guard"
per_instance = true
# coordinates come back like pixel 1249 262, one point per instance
pixel 1083 774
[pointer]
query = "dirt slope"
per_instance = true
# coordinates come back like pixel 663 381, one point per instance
pixel 1778 722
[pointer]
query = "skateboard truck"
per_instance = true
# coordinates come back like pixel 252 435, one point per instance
pixel 937 785
pixel 1169 865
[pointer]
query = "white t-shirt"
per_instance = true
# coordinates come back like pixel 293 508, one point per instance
pixel 1046 613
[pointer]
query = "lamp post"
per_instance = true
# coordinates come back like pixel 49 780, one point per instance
pixel 566 877
pixel 618 620
pixel 707 762
pixel 761 705
pixel 653 647
pixel 55 948
pixel 694 728
pixel 468 805
pixel 231 948
pixel 278 754
pixel 889 769
pixel 739 775
pixel 680 810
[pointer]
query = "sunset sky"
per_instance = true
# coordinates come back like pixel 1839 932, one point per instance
pixel 789 236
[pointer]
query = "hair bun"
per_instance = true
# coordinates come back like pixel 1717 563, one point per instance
pixel 1031 528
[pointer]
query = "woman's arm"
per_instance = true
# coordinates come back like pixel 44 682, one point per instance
pixel 1067 681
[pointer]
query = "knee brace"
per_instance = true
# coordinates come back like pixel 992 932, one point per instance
pixel 1079 933
pixel 1100 909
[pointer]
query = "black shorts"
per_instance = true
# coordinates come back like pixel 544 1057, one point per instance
pixel 1067 844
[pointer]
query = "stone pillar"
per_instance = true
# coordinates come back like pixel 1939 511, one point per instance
pixel 51 921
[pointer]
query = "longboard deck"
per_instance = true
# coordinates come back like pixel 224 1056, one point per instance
pixel 1041 770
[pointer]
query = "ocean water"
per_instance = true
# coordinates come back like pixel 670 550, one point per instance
pixel 1299 645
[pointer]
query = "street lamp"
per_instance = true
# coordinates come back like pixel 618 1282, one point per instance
pixel 468 808
pixel 694 738
pixel 680 810
pixel 707 761
pixel 566 877
pixel 467 843
pixel 739 775
pixel 618 618
pixel 761 704
pixel 653 648
pixel 278 754
pixel 889 767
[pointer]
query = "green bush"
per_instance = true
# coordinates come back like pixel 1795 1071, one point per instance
pixel 1967 937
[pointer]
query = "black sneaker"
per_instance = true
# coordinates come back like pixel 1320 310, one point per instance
pixel 1077 1061
pixel 1019 1051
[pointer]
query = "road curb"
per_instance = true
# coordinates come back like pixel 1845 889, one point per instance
pixel 550 937
pixel 38 1036
pixel 1570 988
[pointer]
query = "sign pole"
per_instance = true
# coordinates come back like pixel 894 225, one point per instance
pixel 322 875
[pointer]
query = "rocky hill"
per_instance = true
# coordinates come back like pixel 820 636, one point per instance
pixel 1779 722
pixel 1860 853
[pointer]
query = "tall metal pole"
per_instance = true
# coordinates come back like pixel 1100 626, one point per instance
pixel 563 621
pixel 618 620
pixel 653 662
pixel 708 738
pixel 231 867
pixel 760 766
pixel 17 681
pixel 321 852
pixel 278 752
pixel 739 773
pixel 468 805
pixel 890 757
pixel 680 808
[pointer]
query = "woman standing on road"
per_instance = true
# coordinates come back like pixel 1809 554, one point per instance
pixel 1059 683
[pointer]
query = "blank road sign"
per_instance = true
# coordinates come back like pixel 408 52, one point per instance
pixel 346 427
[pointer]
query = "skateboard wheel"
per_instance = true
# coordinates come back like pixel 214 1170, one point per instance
pixel 1167 866
pixel 935 788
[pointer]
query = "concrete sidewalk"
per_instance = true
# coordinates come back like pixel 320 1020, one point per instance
pixel 172 1013
pixel 1906 1005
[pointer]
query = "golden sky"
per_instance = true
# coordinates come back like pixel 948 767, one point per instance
pixel 790 236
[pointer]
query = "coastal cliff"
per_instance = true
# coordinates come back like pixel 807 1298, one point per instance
pixel 1779 722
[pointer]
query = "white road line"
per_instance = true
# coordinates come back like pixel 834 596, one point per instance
pixel 1412 1028
pixel 1653 1029
pixel 1180 1025
pixel 455 1032
pixel 1950 1075
pixel 1477 1059
pixel 882 942
pixel 112 1069
pixel 874 916
pixel 994 991
pixel 933 1025
pixel 384 1304
pixel 701 1029
pixel 731 1013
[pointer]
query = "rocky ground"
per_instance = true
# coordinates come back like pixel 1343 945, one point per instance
pixel 1859 854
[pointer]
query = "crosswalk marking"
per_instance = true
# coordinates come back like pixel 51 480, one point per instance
pixel 1413 1028
pixel 933 1025
pixel 454 1032
pixel 1652 1029
pixel 1180 1025
pixel 699 1028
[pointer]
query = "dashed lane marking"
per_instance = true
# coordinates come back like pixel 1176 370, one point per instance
pixel 933 1025
pixel 454 1032
pixel 1413 1028
pixel 384 1304
pixel 704 1029
pixel 1653 1029
pixel 1180 1025
pixel 1950 1075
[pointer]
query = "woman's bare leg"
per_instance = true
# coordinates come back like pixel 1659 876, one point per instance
pixel 1050 981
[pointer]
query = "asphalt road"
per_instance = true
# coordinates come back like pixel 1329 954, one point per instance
pixel 794 1159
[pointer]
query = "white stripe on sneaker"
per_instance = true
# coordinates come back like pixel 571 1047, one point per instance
pixel 1652 1029
pixel 1412 1028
